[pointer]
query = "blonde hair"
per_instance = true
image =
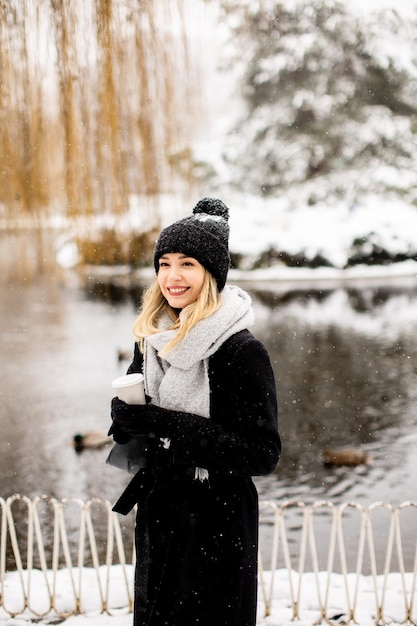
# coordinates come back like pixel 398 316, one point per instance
pixel 154 304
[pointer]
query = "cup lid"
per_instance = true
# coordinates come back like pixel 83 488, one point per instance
pixel 127 380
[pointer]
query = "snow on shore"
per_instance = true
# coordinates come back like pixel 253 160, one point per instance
pixel 333 592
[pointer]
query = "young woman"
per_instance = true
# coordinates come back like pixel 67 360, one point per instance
pixel 209 426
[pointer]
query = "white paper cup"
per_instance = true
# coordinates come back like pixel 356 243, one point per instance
pixel 130 388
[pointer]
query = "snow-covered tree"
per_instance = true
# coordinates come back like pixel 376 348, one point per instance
pixel 330 100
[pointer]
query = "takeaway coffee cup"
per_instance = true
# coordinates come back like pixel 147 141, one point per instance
pixel 130 388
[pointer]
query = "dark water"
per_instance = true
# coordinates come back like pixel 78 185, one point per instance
pixel 345 364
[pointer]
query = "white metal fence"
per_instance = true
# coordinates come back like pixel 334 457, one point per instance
pixel 48 545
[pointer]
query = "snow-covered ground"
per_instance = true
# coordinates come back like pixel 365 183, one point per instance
pixel 341 594
pixel 328 231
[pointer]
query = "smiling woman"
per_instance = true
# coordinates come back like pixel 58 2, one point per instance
pixel 210 425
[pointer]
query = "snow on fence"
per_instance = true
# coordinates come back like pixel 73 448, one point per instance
pixel 66 557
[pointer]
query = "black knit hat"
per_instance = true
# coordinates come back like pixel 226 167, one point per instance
pixel 203 236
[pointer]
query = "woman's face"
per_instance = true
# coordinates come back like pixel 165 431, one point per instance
pixel 180 279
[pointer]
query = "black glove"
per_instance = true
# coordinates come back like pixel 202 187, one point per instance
pixel 142 419
pixel 119 435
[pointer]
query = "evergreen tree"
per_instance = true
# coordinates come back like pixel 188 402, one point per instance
pixel 330 98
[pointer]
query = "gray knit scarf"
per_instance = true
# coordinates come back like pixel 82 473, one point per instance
pixel 179 380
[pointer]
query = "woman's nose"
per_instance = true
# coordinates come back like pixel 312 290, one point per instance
pixel 174 273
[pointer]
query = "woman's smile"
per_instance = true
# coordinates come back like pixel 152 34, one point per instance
pixel 175 291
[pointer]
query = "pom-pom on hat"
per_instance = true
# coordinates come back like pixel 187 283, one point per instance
pixel 203 236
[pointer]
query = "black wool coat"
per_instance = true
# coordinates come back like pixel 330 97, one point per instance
pixel 197 541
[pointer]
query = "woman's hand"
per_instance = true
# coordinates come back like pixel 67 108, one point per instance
pixel 118 434
pixel 139 419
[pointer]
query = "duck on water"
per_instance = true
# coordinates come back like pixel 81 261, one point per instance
pixel 92 440
pixel 349 457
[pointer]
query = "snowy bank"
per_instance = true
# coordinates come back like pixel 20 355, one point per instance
pixel 276 240
pixel 309 599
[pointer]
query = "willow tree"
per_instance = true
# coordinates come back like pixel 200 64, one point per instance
pixel 23 161
pixel 93 103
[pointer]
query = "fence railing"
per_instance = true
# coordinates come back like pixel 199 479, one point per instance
pixel 318 562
